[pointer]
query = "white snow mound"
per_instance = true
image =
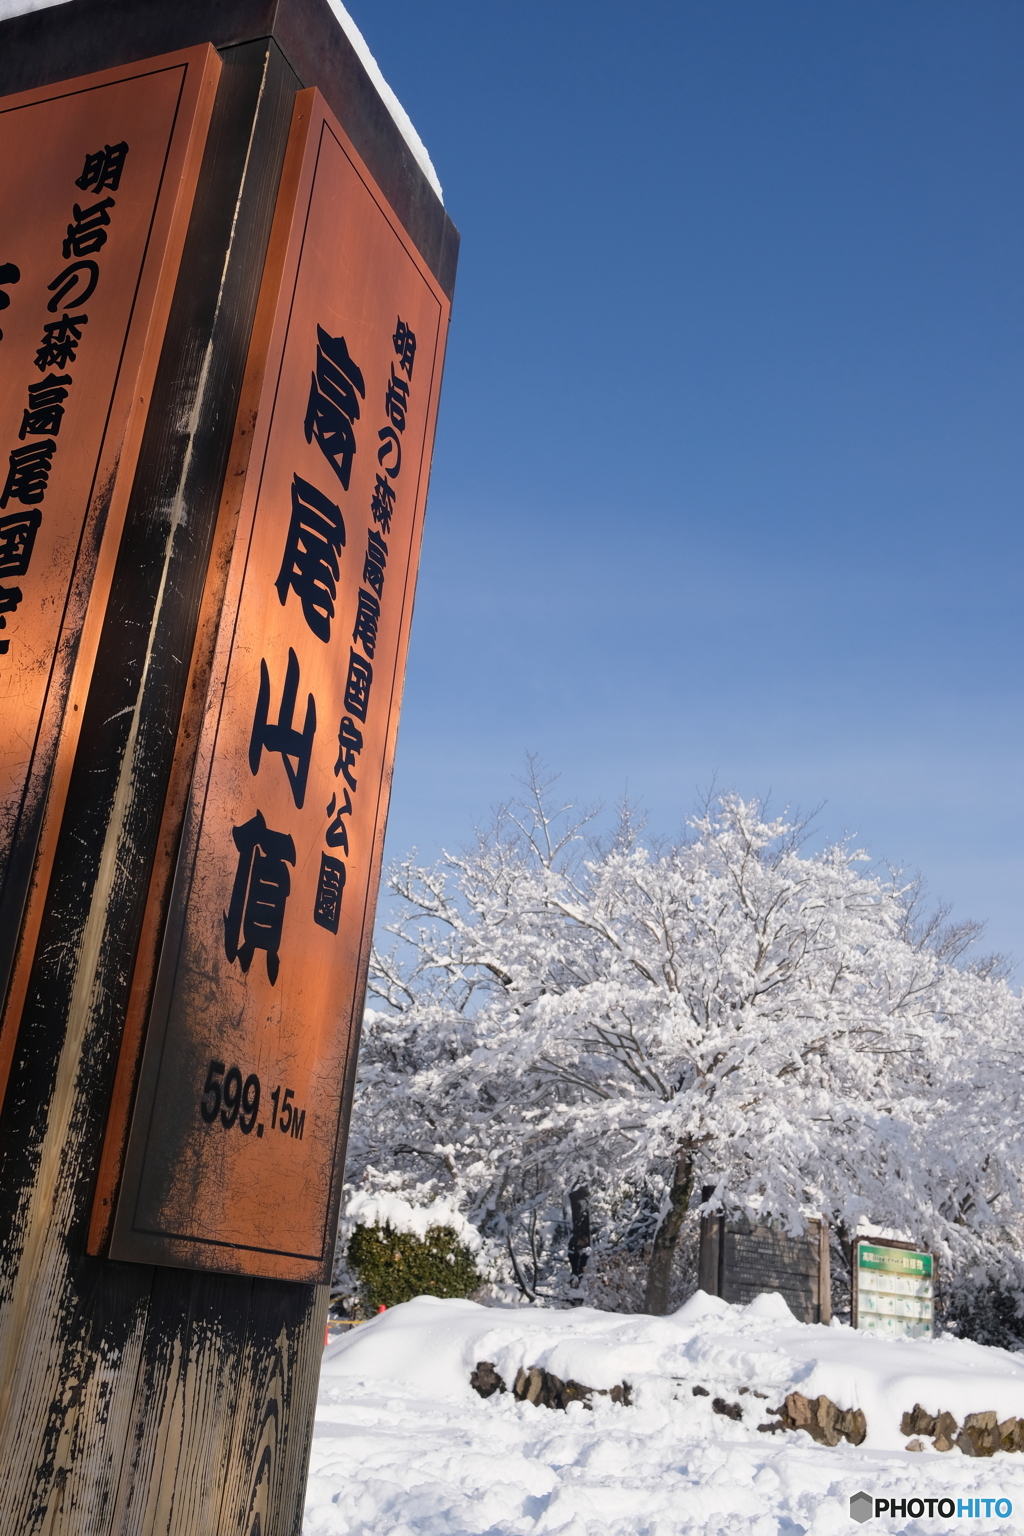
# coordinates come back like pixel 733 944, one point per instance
pixel 404 1445
pixel 434 1345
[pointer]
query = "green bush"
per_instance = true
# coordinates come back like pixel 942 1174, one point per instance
pixel 396 1266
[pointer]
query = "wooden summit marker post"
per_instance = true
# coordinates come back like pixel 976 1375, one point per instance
pixel 219 375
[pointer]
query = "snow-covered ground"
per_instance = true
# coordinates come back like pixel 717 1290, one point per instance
pixel 404 1447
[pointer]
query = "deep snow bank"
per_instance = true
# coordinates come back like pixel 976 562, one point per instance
pixel 403 1445
pixel 432 1346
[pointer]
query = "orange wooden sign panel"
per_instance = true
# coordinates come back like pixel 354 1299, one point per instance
pixel 234 1157
pixel 97 177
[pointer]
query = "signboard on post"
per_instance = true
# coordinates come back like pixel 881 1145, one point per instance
pixel 97 177
pixel 893 1289
pixel 236 1147
pixel 223 299
pixel 740 1259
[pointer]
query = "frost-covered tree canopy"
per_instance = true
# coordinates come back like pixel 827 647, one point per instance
pixel 645 1020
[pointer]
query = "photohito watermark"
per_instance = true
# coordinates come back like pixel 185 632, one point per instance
pixel 863 1506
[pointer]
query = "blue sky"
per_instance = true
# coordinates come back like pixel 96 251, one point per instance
pixel 728 474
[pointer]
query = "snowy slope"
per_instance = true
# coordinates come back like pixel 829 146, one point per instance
pixel 404 1445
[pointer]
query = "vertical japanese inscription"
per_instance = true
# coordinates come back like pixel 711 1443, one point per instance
pixel 29 466
pixel 260 978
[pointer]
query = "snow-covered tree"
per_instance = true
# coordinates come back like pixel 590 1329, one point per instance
pixel 641 1021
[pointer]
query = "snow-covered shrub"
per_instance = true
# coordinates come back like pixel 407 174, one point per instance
pixel 402 1239
pixel 396 1266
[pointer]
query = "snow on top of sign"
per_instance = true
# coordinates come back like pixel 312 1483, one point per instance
pixel 866 1229
pixel 387 96
pixel 403 122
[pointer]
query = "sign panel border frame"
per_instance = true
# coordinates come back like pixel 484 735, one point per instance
pixel 113 1229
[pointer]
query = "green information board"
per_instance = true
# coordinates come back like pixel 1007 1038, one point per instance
pixel 893 1291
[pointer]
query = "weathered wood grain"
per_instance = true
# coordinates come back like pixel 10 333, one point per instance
pixel 135 1400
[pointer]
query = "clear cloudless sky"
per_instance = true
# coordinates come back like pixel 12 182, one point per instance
pixel 727 482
